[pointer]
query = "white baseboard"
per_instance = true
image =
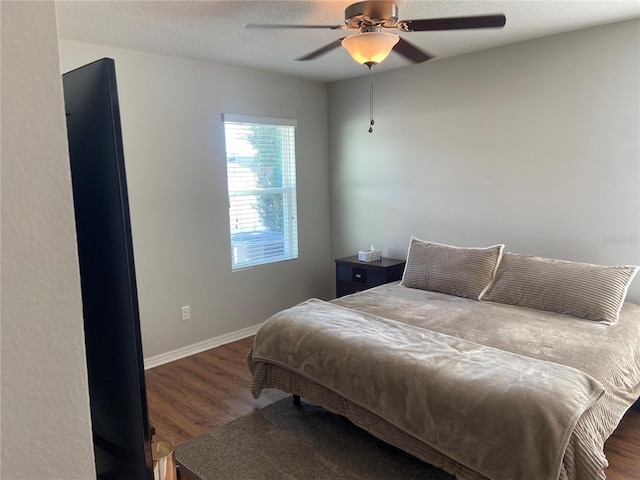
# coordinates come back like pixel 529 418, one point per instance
pixel 179 353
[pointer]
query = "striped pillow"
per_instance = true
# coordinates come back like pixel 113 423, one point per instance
pixel 583 290
pixel 463 272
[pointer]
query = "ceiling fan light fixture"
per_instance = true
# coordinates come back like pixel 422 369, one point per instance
pixel 370 48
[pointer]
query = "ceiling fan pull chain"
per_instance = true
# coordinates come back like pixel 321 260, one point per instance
pixel 372 123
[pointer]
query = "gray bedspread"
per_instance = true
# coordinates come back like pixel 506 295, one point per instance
pixel 499 389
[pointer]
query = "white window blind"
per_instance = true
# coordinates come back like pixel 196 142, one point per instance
pixel 261 174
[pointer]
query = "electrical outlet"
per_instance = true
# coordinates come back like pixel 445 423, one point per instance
pixel 186 313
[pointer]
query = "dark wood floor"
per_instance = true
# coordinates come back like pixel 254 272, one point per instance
pixel 194 395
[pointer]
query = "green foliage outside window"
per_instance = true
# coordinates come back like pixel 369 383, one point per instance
pixel 267 141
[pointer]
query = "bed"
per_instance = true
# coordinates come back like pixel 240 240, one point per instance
pixel 484 364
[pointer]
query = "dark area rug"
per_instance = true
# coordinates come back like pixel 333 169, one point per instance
pixel 282 441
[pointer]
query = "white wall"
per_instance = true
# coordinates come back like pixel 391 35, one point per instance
pixel 46 424
pixel 176 171
pixel 534 145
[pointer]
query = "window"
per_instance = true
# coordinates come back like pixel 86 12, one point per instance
pixel 261 174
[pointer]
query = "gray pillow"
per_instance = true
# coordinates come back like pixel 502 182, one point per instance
pixel 583 290
pixel 463 272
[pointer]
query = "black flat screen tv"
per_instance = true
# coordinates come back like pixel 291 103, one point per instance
pixel 119 416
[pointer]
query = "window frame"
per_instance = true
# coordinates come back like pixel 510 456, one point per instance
pixel 288 190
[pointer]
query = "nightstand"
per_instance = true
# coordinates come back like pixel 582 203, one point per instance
pixel 353 276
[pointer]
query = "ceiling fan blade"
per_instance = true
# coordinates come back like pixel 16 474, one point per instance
pixel 453 23
pixel 266 26
pixel 321 51
pixel 411 52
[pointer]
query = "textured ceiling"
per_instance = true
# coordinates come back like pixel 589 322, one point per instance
pixel 215 31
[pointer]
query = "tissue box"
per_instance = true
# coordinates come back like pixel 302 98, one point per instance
pixel 369 255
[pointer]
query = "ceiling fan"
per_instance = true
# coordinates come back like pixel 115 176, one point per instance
pixel 372 44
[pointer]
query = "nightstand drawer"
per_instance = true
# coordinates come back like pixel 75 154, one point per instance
pixel 359 275
pixel 367 277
